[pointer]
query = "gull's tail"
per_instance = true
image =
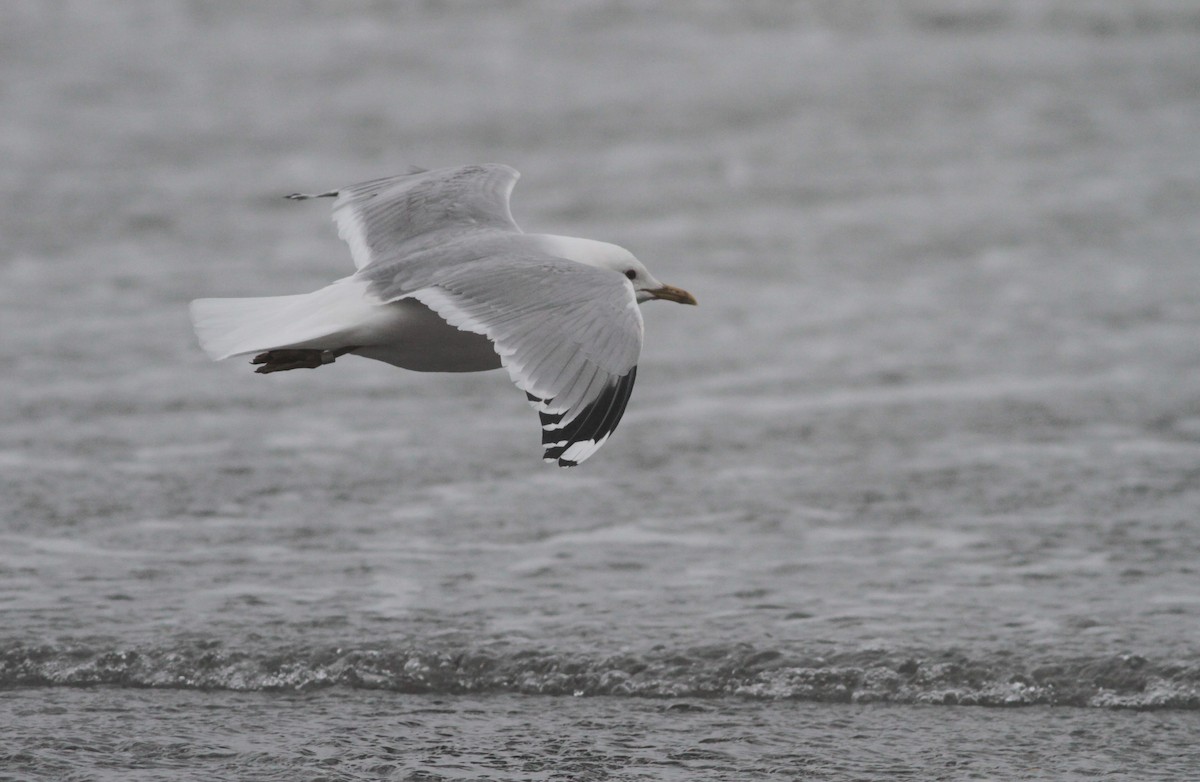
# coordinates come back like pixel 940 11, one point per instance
pixel 323 319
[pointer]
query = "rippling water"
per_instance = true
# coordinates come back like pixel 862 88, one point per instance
pixel 930 441
pixel 123 734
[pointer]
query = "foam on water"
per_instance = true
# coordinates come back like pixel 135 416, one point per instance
pixel 740 671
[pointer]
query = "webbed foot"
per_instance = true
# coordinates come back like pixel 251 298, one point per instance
pixel 295 358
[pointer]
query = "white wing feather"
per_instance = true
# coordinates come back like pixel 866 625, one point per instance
pixel 385 220
pixel 569 335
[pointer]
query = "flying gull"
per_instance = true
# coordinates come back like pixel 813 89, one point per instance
pixel 447 282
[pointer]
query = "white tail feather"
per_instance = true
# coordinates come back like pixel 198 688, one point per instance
pixel 324 319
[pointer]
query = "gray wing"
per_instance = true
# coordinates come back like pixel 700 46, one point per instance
pixel 385 220
pixel 568 334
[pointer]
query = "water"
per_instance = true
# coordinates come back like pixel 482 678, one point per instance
pixel 335 735
pixel 928 447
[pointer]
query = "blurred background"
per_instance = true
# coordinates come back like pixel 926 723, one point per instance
pixel 932 435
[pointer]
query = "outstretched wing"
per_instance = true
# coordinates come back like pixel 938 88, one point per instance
pixel 386 219
pixel 568 334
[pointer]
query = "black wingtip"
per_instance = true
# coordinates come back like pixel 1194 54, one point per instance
pixel 595 422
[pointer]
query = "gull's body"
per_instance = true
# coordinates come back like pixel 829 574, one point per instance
pixel 447 282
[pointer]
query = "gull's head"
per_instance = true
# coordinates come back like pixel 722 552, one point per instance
pixel 610 256
pixel 646 287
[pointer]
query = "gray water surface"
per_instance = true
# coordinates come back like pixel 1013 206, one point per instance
pixel 339 735
pixel 930 441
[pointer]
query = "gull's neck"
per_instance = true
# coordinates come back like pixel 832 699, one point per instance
pixel 588 251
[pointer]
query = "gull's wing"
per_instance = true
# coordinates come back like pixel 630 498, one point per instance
pixel 386 219
pixel 568 334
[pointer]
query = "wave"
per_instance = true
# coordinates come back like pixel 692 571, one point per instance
pixel 949 678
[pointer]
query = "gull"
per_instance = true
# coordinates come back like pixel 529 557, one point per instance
pixel 446 281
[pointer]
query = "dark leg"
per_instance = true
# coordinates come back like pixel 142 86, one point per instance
pixel 296 358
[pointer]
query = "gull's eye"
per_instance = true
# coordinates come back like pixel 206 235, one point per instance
pixel 631 274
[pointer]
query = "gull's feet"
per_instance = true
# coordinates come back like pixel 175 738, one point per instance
pixel 295 358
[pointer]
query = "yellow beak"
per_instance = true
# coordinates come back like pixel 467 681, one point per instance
pixel 671 293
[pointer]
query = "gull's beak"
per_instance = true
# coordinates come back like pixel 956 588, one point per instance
pixel 671 293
